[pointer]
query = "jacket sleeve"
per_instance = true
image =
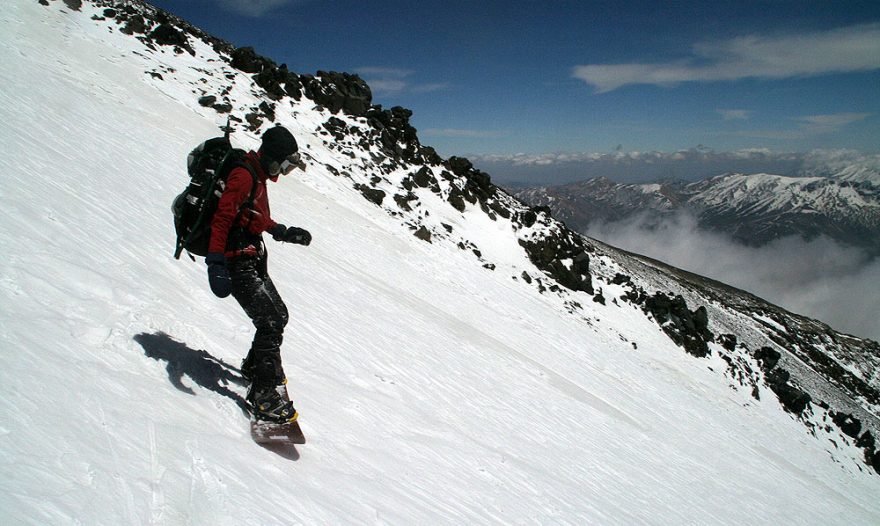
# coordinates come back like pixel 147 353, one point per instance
pixel 238 189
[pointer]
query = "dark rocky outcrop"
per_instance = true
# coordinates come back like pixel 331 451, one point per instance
pixel 268 109
pixel 403 201
pixel 478 183
pixel 778 379
pixel 336 127
pixel 168 35
pixel 499 208
pixel 867 443
pixel 456 199
pixel 850 425
pixel 423 178
pixel 728 341
pixel 792 398
pixel 247 60
pixel 551 253
pixel 767 357
pixel 276 80
pixel 133 25
pixel 423 233
pixel 373 195
pixel 339 91
pixel 687 328
pixel 530 217
pixel 397 136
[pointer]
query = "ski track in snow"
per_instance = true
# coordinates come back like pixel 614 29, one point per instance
pixel 431 390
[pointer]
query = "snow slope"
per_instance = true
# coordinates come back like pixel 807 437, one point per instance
pixel 432 390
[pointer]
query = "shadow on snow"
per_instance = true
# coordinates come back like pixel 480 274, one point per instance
pixel 205 370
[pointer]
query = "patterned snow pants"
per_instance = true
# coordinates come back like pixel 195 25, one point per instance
pixel 257 295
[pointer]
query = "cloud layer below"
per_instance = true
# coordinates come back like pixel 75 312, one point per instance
pixel 842 50
pixel 820 279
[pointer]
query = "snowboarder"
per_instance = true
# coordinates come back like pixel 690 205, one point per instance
pixel 237 264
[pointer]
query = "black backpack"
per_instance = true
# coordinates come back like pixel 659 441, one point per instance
pixel 208 165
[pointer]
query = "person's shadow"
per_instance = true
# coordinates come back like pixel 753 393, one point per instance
pixel 205 370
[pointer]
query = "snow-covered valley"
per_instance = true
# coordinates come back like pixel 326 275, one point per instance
pixel 440 381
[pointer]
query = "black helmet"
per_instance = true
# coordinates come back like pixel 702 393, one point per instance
pixel 278 143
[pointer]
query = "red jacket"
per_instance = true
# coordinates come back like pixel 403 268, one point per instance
pixel 254 220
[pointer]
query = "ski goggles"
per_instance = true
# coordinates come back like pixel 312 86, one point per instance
pixel 285 166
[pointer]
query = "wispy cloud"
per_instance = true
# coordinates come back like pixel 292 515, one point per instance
pixel 848 49
pixel 393 80
pixel 831 122
pixel 808 126
pixel 254 8
pixel 426 88
pixel 384 72
pixel 734 115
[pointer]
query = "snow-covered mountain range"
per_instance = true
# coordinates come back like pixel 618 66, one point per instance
pixel 755 209
pixel 456 355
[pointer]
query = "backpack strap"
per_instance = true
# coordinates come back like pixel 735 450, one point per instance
pixel 250 202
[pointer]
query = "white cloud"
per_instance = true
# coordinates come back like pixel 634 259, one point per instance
pixel 386 85
pixel 427 88
pixel 808 126
pixel 253 8
pixel 822 279
pixel 832 121
pixel 395 80
pixel 734 115
pixel 848 49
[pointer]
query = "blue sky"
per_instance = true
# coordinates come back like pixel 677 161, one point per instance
pixel 507 77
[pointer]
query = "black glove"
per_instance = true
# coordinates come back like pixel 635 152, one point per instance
pixel 218 275
pixel 290 235
pixel 277 231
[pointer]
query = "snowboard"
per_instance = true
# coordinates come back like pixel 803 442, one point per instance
pixel 264 432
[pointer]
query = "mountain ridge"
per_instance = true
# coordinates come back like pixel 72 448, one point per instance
pixel 755 208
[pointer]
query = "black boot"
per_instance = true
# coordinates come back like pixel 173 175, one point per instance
pixel 269 404
pixel 269 385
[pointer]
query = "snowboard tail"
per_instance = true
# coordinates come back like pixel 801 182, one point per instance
pixel 264 432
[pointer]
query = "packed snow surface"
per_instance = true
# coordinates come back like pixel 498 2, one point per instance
pixel 432 390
